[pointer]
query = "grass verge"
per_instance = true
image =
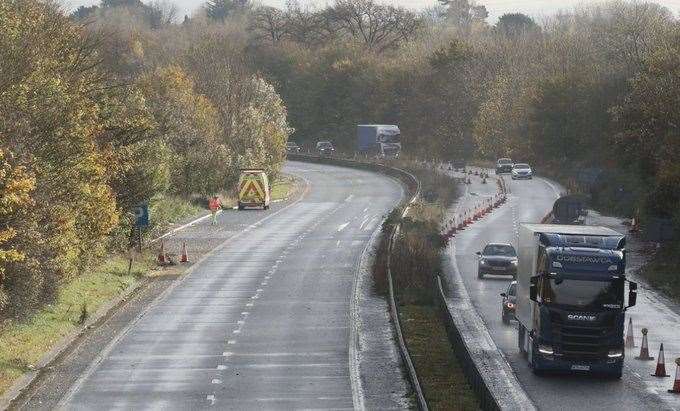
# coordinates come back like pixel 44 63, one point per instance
pixel 283 187
pixel 441 375
pixel 662 271
pixel 416 260
pixel 22 344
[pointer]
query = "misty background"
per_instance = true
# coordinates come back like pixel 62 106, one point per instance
pixel 496 8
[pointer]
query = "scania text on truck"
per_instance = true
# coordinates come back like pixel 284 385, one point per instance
pixel 379 140
pixel 570 298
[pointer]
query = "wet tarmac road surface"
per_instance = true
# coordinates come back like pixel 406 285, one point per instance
pixel 530 201
pixel 263 321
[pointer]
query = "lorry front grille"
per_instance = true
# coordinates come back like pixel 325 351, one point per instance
pixel 582 341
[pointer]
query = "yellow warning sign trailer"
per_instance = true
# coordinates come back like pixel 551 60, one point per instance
pixel 253 189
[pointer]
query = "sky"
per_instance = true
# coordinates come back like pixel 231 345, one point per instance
pixel 496 8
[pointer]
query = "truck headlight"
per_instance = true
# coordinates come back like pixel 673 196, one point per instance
pixel 510 305
pixel 482 261
pixel 615 353
pixel 545 349
pixel 513 263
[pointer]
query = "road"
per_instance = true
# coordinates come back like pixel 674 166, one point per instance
pixel 530 201
pixel 262 322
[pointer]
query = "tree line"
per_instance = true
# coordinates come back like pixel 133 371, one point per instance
pixel 588 95
pixel 97 115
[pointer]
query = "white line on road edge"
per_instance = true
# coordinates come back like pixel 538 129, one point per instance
pixel 182 227
pixel 62 405
pixel 355 315
pixel 512 384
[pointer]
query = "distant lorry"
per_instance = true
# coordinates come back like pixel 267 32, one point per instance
pixel 383 141
pixel 253 189
pixel 570 298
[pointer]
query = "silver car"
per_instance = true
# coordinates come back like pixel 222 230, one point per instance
pixel 521 171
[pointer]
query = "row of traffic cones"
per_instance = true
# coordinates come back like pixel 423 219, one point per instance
pixel 164 258
pixel 660 371
pixel 469 216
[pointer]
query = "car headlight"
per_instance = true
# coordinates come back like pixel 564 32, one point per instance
pixel 510 305
pixel 482 261
pixel 615 353
pixel 545 349
pixel 514 263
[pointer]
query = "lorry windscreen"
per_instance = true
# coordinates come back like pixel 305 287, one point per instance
pixel 389 138
pixel 583 293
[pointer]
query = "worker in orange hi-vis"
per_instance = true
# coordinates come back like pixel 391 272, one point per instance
pixel 214 204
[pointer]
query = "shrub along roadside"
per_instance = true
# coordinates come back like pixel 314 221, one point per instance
pixel 24 342
pixel 662 271
pixel 416 260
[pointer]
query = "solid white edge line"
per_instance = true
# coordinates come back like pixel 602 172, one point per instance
pixel 62 404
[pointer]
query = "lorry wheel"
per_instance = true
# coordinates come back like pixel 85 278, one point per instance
pixel 616 375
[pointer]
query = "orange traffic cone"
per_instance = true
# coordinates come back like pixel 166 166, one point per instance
pixel 644 348
pixel 676 384
pixel 661 365
pixel 184 258
pixel 630 338
pixel 635 225
pixel 161 254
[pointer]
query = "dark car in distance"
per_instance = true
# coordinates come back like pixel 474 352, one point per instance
pixel 504 166
pixel 497 259
pixel 292 147
pixel 508 303
pixel 325 148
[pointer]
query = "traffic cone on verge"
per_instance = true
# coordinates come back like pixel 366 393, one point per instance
pixel 630 338
pixel 661 365
pixel 644 348
pixel 184 258
pixel 161 254
pixel 635 225
pixel 676 384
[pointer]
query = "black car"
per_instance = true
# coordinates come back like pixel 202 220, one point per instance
pixel 292 148
pixel 508 303
pixel 504 166
pixel 459 164
pixel 497 259
pixel 325 148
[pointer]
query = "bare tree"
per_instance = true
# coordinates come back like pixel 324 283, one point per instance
pixel 162 13
pixel 270 23
pixel 378 26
